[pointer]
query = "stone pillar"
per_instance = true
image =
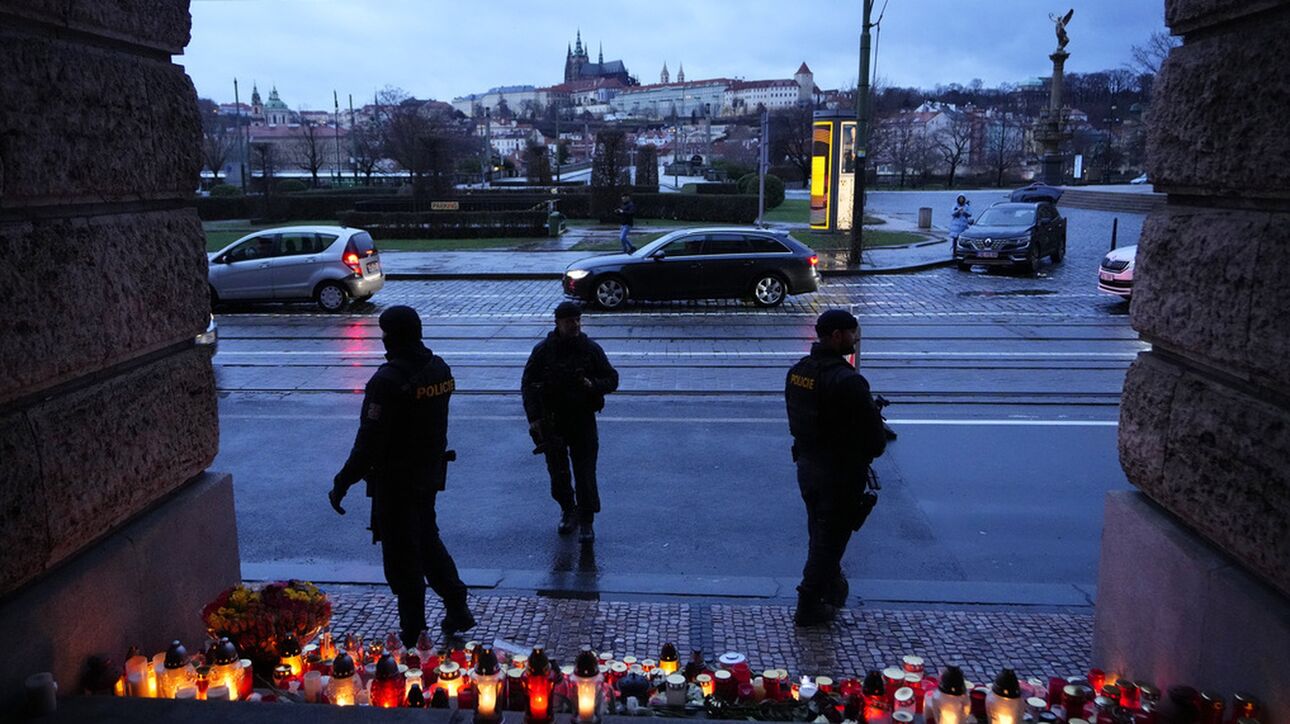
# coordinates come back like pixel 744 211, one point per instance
pixel 1053 133
pixel 107 408
pixel 1191 578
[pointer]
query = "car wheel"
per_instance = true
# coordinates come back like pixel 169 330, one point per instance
pixel 1032 259
pixel 331 297
pixel 611 293
pixel 964 266
pixel 214 297
pixel 1059 253
pixel 769 290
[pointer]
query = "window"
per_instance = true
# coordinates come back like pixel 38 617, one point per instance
pixel 725 244
pixel 363 243
pixel 765 245
pixel 686 246
pixel 261 247
pixel 297 244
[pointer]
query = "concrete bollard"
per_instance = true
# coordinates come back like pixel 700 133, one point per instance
pixel 925 217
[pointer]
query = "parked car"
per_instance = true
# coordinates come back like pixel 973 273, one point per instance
pixel 765 266
pixel 1141 180
pixel 1013 234
pixel 330 265
pixel 1115 274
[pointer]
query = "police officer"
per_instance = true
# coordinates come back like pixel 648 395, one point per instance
pixel 564 385
pixel 837 432
pixel 400 449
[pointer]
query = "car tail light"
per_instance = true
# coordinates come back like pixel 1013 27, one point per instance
pixel 815 259
pixel 350 257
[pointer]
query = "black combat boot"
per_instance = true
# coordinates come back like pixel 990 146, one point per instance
pixel 811 611
pixel 568 520
pixel 837 595
pixel 457 617
pixel 586 533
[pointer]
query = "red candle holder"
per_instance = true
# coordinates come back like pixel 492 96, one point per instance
pixel 538 685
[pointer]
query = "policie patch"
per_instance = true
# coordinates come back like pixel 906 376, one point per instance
pixel 806 383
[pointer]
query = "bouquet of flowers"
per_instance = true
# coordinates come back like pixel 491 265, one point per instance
pixel 256 619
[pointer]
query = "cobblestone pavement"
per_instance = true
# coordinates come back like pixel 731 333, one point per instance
pixel 945 293
pixel 982 642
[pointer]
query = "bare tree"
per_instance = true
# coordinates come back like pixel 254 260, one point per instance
pixel 1004 146
pixel 1148 57
pixel 901 144
pixel 953 141
pixel 790 138
pixel 308 150
pixel 217 146
pixel 264 156
pixel 365 146
pixel 423 139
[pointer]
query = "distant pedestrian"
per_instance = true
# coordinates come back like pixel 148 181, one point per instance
pixel 960 217
pixel 564 385
pixel 837 432
pixel 400 449
pixel 626 212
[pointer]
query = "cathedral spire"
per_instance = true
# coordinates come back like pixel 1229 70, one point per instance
pixel 664 77
pixel 601 58
pixel 578 46
pixel 680 72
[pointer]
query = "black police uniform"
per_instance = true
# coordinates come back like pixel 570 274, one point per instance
pixel 837 432
pixel 554 395
pixel 400 450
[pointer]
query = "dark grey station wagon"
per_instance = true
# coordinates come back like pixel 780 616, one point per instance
pixel 733 263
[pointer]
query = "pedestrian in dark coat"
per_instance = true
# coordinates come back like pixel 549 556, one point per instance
pixel 626 212
pixel 564 385
pixel 401 450
pixel 837 432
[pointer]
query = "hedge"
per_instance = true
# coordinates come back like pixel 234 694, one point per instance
pixel 732 209
pixel 277 208
pixel 447 224
pixel 716 188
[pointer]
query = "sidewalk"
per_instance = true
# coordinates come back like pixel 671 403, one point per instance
pixel 980 639
pixel 547 259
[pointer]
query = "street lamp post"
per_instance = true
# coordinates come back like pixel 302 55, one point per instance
pixel 861 139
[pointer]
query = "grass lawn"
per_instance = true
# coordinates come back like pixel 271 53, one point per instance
pixel 833 241
pixel 799 211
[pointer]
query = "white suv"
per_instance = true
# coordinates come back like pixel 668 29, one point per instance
pixel 330 265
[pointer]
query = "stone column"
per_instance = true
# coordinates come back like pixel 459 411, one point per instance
pixel 107 407
pixel 1052 132
pixel 1195 575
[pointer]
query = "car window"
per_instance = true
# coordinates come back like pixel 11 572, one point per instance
pixel 725 244
pixel 686 246
pixel 765 245
pixel 363 243
pixel 260 247
pixel 1007 216
pixel 301 243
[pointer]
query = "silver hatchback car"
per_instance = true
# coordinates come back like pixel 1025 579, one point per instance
pixel 330 265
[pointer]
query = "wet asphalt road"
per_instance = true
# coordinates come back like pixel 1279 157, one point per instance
pixel 1005 393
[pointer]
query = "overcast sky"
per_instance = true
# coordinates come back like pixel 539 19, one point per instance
pixel 440 49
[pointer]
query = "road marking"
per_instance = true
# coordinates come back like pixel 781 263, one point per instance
pixel 948 422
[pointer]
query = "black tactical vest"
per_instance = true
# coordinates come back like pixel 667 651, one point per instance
pixel 805 387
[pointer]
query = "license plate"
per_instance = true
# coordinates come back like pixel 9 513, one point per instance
pixel 989 254
pixel 373 267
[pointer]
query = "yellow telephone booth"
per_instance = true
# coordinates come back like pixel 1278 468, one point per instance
pixel 833 158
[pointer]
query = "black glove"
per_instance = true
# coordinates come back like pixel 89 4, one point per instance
pixel 336 495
